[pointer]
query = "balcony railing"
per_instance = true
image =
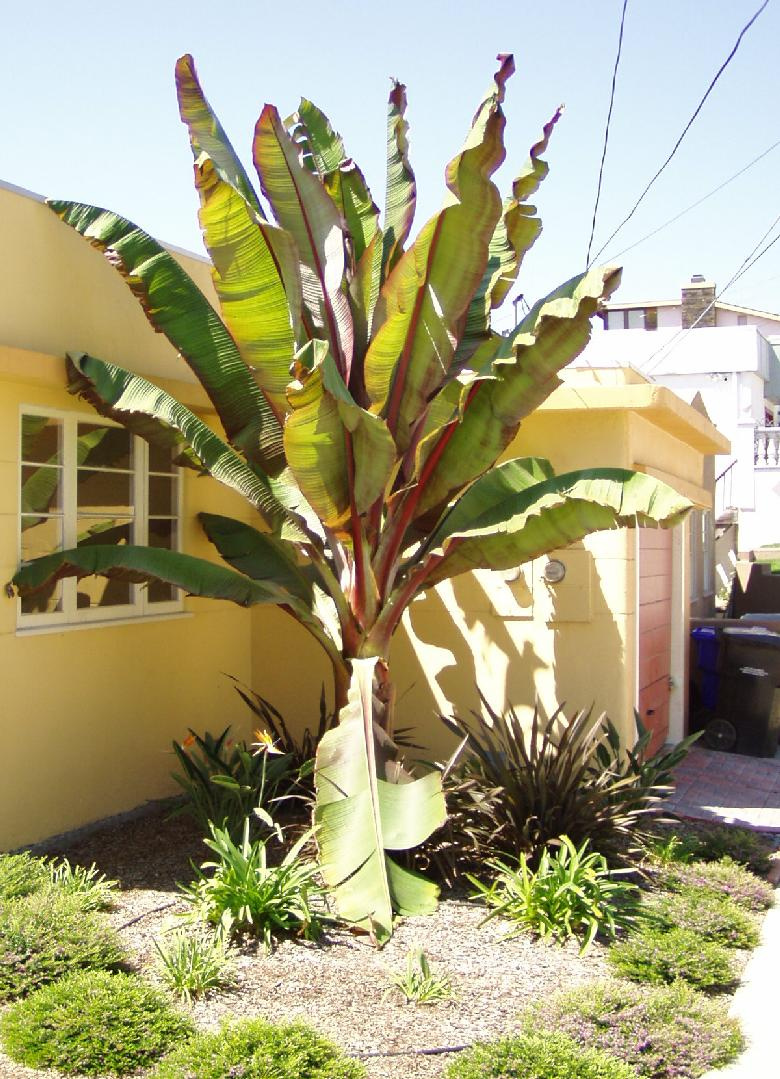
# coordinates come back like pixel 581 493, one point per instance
pixel 766 451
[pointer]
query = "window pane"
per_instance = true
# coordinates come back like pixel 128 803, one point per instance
pixel 99 492
pixel 99 591
pixel 614 320
pixel 41 536
pixel 41 489
pixel 162 495
pixel 635 319
pixel 41 439
pixel 160 459
pixel 103 447
pixel 162 534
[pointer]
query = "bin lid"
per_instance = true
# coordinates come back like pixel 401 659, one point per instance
pixel 705 633
pixel 753 635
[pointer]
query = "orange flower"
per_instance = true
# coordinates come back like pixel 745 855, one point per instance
pixel 264 742
pixel 189 741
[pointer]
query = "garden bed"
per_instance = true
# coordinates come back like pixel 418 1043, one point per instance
pixel 340 985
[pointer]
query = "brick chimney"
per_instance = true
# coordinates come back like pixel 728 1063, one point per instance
pixel 696 298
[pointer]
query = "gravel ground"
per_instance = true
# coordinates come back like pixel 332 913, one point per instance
pixel 339 985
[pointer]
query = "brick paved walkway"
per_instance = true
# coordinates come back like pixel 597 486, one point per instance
pixel 728 787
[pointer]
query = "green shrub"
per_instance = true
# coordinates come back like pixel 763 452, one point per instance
pixel 666 848
pixel 246 893
pixel 536 1056
pixel 255 1049
pixel 571 894
pixel 710 914
pixel 748 848
pixel 663 1032
pixel 657 955
pixel 224 781
pixel 192 961
pixel 21 874
pixel 44 936
pixel 725 878
pixel 518 788
pixel 91 1023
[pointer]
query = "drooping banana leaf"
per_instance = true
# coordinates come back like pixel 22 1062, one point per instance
pixel 368 804
pixel 522 371
pixel 502 521
pixel 422 301
pixel 176 307
pixel 304 209
pixel 257 555
pixel 259 294
pixel 127 398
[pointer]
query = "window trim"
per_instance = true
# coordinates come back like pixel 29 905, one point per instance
pixel 72 615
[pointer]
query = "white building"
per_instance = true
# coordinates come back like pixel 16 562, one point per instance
pixel 728 355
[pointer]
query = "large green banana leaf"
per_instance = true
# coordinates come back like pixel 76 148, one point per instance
pixel 503 520
pixel 177 308
pixel 260 306
pixel 366 805
pixel 120 395
pixel 401 194
pixel 422 301
pixel 522 370
pixel 258 555
pixel 304 209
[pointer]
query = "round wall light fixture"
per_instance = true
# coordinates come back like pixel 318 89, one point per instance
pixel 554 571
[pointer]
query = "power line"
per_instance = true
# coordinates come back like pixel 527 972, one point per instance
pixel 698 202
pixel 685 131
pixel 606 131
pixel 666 350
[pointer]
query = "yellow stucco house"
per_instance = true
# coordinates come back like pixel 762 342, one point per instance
pixel 99 677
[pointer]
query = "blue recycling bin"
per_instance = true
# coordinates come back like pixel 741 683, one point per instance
pixel 708 649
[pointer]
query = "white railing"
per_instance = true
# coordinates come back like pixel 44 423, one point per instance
pixel 767 447
pixel 724 490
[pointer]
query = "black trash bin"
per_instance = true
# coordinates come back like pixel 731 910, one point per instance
pixel 750 676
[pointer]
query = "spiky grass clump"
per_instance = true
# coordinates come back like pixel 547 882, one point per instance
pixel 93 1023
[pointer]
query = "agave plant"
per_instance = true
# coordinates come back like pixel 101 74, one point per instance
pixel 364 400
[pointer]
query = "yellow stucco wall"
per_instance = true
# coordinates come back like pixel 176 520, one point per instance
pixel 89 713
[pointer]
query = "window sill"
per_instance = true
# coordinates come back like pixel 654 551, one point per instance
pixel 66 627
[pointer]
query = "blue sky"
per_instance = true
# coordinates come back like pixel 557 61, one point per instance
pixel 90 112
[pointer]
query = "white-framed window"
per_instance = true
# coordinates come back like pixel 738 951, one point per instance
pixel 84 480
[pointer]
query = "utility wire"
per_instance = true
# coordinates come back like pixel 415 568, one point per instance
pixel 693 205
pixel 747 263
pixel 606 131
pixel 685 131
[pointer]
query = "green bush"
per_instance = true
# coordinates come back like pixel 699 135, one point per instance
pixel 656 955
pixel 246 893
pixel 710 914
pixel 725 878
pixel 662 1032
pixel 44 936
pixel 95 892
pixel 717 841
pixel 536 1056
pixel 517 788
pixel 91 1023
pixel 21 874
pixel 256 1049
pixel 571 894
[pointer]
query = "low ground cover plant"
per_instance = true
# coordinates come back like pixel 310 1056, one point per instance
pixel 245 892
pixel 193 960
pixel 537 1056
pixel 93 1023
pixel 572 893
pixel 47 935
pixel 256 1049
pixel 712 915
pixel 662 1032
pixel 26 874
pixel 657 955
pixel 21 874
pixel 724 878
pixel 709 843
pixel 418 983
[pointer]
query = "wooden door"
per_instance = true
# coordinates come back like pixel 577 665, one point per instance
pixel 655 631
